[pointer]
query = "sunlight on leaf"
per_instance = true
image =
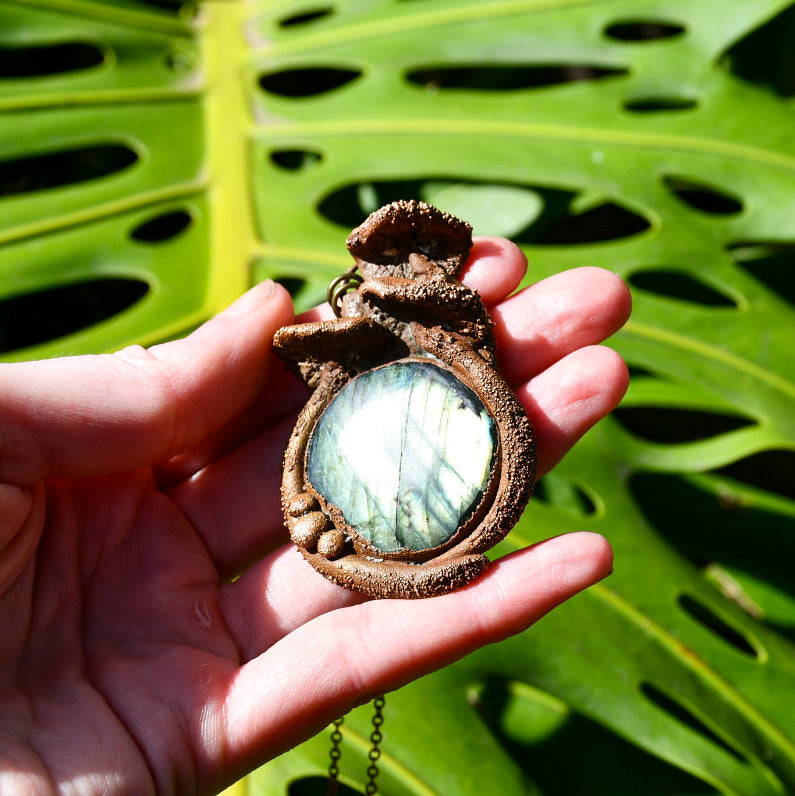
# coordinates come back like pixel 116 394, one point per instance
pixel 182 151
pixel 491 210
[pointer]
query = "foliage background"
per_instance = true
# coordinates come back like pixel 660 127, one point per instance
pixel 157 156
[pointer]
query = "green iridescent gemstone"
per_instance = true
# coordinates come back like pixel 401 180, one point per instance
pixel 406 452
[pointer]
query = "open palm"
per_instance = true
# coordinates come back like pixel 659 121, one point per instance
pixel 157 634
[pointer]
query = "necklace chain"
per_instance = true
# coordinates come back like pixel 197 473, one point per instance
pixel 375 751
pixel 335 754
pixel 373 755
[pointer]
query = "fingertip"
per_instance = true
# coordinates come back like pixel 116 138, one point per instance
pixel 554 317
pixel 618 290
pixel 495 268
pixel 266 296
pixel 616 364
pixel 590 557
pixel 277 303
pixel 249 322
pixel 497 246
pixel 252 299
pixel 596 378
pixel 610 304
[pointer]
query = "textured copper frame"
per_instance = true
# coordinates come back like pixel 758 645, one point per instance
pixel 408 305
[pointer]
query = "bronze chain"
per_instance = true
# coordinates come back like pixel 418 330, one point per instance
pixel 371 789
pixel 375 751
pixel 335 754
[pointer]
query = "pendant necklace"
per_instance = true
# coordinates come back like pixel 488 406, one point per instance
pixel 412 457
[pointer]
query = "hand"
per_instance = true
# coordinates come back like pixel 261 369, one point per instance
pixel 134 487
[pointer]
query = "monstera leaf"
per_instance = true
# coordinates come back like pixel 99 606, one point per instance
pixel 157 157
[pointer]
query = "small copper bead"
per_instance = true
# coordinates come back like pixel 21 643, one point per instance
pixel 332 544
pixel 301 504
pixel 306 531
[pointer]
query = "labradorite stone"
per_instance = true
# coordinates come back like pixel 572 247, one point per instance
pixel 406 452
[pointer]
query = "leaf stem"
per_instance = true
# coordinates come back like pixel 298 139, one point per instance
pixel 233 236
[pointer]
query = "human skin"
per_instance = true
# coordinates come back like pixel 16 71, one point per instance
pixel 136 487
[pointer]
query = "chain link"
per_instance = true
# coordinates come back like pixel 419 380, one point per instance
pixel 371 789
pixel 375 752
pixel 334 755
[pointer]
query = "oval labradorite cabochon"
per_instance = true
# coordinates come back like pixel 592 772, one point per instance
pixel 406 452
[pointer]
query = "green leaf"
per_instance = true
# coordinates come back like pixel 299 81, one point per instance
pixel 195 153
pixel 490 209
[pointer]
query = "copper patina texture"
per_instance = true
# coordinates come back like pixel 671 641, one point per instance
pixel 408 306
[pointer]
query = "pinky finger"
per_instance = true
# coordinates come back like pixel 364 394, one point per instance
pixel 568 398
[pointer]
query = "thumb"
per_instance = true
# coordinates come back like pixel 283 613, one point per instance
pixel 95 414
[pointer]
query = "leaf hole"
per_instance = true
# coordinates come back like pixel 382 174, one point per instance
pixel 293 285
pixel 52 59
pixel 345 207
pixel 504 78
pixel 766 56
pixel 185 9
pixel 539 731
pixel 708 521
pixel 771 470
pixel 705 616
pixel 294 159
pixel 34 318
pixel 659 104
pixel 318 786
pixel 558 225
pixel 676 426
pixel 679 285
pixel 701 196
pixel 683 714
pixel 642 30
pixel 55 169
pixel 638 372
pixel 308 82
pixel 305 17
pixel 492 208
pixel 517 712
pixel 773 264
pixel 551 221
pixel 556 491
pixel 163 227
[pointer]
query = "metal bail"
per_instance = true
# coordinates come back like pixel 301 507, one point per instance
pixel 343 284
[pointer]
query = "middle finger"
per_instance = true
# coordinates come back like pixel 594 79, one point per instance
pixel 555 317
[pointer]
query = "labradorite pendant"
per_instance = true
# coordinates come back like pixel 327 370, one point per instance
pixel 412 456
pixel 407 450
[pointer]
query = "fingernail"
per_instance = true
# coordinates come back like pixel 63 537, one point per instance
pixel 252 299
